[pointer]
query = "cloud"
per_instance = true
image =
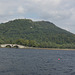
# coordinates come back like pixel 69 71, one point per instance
pixel 20 9
pixel 60 12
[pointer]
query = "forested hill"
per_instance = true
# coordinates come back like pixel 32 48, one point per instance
pixel 37 34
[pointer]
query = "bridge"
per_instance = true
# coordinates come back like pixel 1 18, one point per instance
pixel 12 46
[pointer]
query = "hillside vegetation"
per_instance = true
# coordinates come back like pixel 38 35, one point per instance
pixel 35 34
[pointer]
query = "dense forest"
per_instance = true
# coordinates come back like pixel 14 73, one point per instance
pixel 30 33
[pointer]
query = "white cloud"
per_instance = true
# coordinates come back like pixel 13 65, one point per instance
pixel 20 9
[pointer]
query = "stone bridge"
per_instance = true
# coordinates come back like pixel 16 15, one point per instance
pixel 12 46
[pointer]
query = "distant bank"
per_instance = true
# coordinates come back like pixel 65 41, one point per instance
pixel 24 47
pixel 53 49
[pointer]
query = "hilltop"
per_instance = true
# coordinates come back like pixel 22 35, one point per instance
pixel 36 34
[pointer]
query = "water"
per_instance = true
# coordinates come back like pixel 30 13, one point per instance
pixel 36 62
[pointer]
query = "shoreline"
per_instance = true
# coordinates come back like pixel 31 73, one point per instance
pixel 48 48
pixel 41 48
pixel 27 47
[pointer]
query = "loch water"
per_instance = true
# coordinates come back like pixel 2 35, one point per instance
pixel 36 62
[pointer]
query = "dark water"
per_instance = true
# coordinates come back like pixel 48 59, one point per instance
pixel 36 62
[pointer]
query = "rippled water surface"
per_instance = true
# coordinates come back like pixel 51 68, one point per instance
pixel 36 62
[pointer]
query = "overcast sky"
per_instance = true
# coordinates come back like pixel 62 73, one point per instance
pixel 59 12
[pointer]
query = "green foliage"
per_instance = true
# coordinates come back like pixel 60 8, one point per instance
pixel 35 34
pixel 30 43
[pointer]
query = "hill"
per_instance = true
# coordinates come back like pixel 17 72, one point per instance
pixel 36 34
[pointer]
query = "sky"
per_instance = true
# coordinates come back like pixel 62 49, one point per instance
pixel 59 12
